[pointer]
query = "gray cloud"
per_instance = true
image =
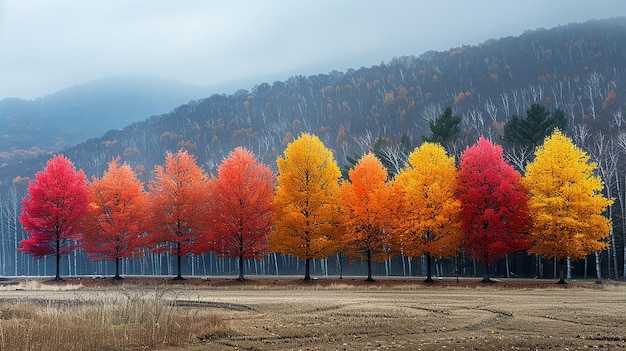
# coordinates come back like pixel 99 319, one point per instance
pixel 49 45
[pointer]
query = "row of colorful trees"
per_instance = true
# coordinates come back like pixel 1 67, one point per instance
pixel 483 207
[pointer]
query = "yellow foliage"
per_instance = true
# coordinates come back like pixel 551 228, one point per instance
pixel 429 220
pixel 566 201
pixel 307 200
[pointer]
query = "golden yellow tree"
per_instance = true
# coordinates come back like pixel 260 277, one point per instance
pixel 566 202
pixel 368 204
pixel 306 203
pixel 429 221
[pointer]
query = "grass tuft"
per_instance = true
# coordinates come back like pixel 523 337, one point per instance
pixel 124 321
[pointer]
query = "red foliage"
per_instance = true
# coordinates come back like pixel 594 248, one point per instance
pixel 178 198
pixel 57 202
pixel 240 207
pixel 494 204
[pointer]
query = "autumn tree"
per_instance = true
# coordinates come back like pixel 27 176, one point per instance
pixel 368 204
pixel 306 203
pixel 566 202
pixel 56 204
pixel 240 207
pixel 429 221
pixel 114 226
pixel 494 205
pixel 178 199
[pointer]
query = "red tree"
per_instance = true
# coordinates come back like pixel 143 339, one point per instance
pixel 494 206
pixel 240 207
pixel 178 199
pixel 52 214
pixel 113 228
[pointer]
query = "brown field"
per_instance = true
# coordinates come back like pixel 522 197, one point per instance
pixel 327 314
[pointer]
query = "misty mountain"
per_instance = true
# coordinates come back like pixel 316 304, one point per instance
pixel 577 68
pixel 65 118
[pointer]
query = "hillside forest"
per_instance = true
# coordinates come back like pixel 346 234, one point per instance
pixel 505 95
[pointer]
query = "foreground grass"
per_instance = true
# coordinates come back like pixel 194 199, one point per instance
pixel 123 321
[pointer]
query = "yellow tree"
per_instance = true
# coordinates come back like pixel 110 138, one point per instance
pixel 306 201
pixel 429 221
pixel 566 202
pixel 368 204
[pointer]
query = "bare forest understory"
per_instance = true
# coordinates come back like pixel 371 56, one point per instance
pixel 327 314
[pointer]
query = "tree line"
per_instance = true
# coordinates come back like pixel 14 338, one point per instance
pixel 480 206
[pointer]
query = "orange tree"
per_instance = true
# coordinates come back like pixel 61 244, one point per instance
pixel 52 214
pixel 240 207
pixel 429 221
pixel 494 205
pixel 368 204
pixel 306 203
pixel 113 228
pixel 566 202
pixel 178 199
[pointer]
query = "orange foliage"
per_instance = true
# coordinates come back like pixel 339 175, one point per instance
pixel 368 204
pixel 114 225
pixel 306 202
pixel 609 99
pixel 178 197
pixel 131 151
pixel 240 207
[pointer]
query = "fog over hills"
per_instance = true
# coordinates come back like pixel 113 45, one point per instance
pixel 67 117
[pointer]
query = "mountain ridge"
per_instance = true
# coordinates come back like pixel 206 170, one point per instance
pixel 485 84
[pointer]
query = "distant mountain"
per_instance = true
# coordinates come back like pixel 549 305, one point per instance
pixel 579 68
pixel 65 118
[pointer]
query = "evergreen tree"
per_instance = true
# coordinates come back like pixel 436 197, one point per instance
pixel 444 129
pixel 530 132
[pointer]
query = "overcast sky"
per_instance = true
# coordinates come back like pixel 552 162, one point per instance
pixel 48 45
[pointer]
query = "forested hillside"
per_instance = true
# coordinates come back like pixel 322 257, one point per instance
pixel 578 69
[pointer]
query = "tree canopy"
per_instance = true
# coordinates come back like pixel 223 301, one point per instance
pixel 368 204
pixel 178 199
pixel 52 214
pixel 114 227
pixel 530 131
pixel 566 201
pixel 429 220
pixel 494 205
pixel 444 129
pixel 240 207
pixel 307 213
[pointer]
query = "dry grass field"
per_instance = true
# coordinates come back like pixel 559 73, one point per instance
pixel 327 314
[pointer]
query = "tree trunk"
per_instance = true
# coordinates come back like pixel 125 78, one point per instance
pixel 178 261
pixel 486 273
pixel 429 277
pixel 598 268
pixel 307 269
pixel 562 264
pixel 340 265
pixel 241 278
pixel 58 261
pixel 369 267
pixel 117 269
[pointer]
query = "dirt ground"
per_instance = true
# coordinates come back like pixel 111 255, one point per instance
pixel 389 314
